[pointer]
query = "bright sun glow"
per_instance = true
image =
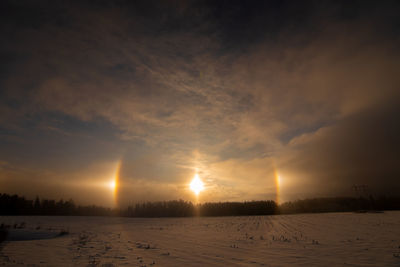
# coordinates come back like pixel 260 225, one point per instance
pixel 111 184
pixel 196 185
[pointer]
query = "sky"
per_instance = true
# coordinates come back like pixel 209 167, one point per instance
pixel 261 99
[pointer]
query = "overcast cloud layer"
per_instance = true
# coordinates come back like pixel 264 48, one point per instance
pixel 234 91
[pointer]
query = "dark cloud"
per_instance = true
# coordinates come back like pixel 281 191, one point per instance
pixel 361 149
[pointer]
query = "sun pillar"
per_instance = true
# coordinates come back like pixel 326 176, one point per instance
pixel 277 186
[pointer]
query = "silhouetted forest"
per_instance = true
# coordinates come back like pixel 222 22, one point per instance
pixel 174 208
pixel 340 204
pixel 267 207
pixel 16 205
pixel 180 208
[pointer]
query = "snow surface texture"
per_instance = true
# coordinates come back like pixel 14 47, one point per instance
pixel 332 239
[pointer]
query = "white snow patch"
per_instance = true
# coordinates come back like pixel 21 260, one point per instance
pixel 332 239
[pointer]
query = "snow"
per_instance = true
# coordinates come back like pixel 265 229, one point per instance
pixel 331 239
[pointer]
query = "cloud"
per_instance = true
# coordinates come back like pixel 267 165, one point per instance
pixel 88 185
pixel 222 90
pixel 360 149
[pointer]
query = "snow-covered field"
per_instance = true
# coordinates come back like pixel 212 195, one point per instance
pixel 335 239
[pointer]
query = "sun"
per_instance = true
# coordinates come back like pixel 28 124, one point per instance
pixel 196 185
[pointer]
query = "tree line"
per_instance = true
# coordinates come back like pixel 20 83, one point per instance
pixel 16 205
pixel 340 204
pixel 180 208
